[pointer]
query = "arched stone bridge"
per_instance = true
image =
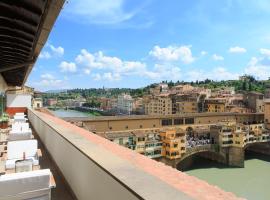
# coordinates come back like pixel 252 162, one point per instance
pixel 198 149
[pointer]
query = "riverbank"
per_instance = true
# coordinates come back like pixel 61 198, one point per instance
pixel 89 112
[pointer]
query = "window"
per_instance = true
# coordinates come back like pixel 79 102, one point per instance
pixel 157 152
pixel 166 122
pixel 178 121
pixel 141 126
pixel 175 145
pixel 126 127
pixel 189 120
pixel 121 141
pixel 183 148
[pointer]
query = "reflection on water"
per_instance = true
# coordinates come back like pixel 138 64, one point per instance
pixel 251 182
pixel 70 113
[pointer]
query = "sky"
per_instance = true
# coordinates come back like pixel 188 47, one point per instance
pixel 128 43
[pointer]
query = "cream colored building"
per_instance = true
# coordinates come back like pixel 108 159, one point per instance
pixel 185 103
pixel 37 103
pixel 158 105
pixel 125 103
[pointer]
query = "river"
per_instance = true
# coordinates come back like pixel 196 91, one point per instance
pixel 70 113
pixel 251 182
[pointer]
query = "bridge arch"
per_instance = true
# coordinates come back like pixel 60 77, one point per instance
pixel 210 152
pixel 265 144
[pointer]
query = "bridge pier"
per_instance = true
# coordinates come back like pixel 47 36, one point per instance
pixel 235 157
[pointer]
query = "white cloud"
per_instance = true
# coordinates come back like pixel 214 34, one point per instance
pixel 217 57
pixel 258 68
pixel 162 72
pixel 57 51
pixel 87 71
pixel 237 49
pixel 172 53
pixel 97 77
pixel 47 76
pixel 99 61
pixel 111 68
pixel 217 74
pixel 253 61
pixel 111 76
pixel 204 53
pixel 221 73
pixel 99 11
pixel 51 51
pixel 68 67
pixel 48 81
pixel 265 52
pixel 45 55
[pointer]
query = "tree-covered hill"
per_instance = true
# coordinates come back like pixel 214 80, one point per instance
pixel 249 83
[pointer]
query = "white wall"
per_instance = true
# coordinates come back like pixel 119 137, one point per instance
pixel 19 100
pixel 3 85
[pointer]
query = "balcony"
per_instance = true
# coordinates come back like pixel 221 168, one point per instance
pixel 95 168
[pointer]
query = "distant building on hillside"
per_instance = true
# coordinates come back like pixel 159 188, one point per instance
pixel 138 107
pixel 215 105
pixel 158 105
pixel 185 103
pixel 254 101
pixel 105 103
pixel 125 104
pixel 267 92
pixel 182 89
pixel 51 102
pixel 160 88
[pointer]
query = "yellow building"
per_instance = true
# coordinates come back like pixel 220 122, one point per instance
pixel 222 134
pixel 140 138
pixel 185 103
pixel 174 143
pixel 215 105
pixel 158 105
pixel 240 136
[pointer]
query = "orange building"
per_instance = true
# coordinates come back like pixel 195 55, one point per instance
pixel 174 143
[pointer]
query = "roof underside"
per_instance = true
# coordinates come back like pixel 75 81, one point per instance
pixel 24 29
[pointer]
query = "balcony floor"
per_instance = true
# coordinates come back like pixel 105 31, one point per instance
pixel 62 191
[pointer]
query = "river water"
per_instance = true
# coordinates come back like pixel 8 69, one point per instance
pixel 70 113
pixel 251 182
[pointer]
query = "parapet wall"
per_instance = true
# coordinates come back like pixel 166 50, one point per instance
pixel 96 168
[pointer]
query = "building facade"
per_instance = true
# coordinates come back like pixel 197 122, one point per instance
pixel 125 104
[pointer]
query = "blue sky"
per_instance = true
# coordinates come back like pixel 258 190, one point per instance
pixel 127 43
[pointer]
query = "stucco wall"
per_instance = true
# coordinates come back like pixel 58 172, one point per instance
pixel 19 100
